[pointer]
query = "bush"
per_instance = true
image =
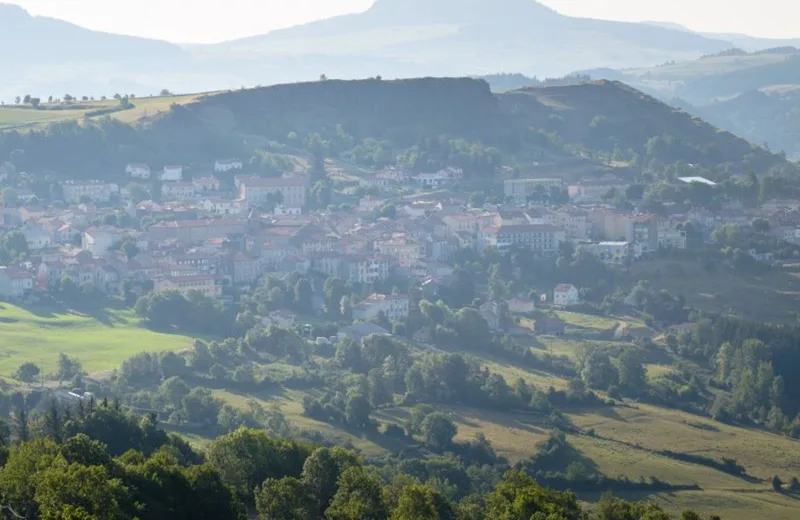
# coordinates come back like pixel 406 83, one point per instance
pixel 394 431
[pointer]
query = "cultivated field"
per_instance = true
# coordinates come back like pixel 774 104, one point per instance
pixel 101 341
pixel 24 117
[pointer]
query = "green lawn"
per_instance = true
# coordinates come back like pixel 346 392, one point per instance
pixel 101 341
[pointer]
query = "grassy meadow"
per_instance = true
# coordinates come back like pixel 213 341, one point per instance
pixel 102 340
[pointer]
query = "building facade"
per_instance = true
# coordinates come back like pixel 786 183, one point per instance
pixel 519 190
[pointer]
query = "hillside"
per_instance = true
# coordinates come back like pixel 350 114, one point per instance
pixel 603 115
pixel 404 116
pixel 752 94
pixel 401 109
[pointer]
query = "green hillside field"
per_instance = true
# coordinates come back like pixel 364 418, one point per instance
pixel 101 340
pixel 624 440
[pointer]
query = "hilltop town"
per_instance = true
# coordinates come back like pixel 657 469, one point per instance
pixel 224 230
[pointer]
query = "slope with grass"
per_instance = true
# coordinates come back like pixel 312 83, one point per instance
pixel 101 340
pixel 751 94
pixel 771 296
pixel 629 440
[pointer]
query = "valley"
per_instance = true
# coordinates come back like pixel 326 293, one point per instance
pixel 436 293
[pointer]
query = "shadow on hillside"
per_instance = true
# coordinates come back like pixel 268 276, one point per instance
pixel 609 412
pixel 40 311
pixel 246 391
pixel 106 318
pixel 390 444
pixel 101 314
pixel 473 417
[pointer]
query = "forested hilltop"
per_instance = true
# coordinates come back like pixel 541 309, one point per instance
pixel 751 93
pixel 375 122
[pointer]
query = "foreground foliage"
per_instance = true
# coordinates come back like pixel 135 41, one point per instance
pixel 63 471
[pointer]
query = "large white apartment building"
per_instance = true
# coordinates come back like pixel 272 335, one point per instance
pixel 98 191
pixel 541 239
pixel 520 189
pixel 255 191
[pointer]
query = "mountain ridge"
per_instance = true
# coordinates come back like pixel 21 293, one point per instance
pixel 392 39
pixel 754 94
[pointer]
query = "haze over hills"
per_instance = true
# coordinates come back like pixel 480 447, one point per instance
pixel 52 56
pixel 741 41
pixel 394 38
pixel 755 94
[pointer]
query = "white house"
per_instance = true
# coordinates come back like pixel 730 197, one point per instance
pixel 221 206
pixel 99 240
pixel 172 173
pixel 394 306
pixel 206 184
pixel 177 190
pixel 98 191
pixel 226 165
pixel 283 211
pixel 433 180
pixel 138 171
pixel 14 282
pixel 36 235
pixel 256 191
pixel 565 295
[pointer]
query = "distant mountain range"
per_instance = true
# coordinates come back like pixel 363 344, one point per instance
pixel 753 94
pixel 739 41
pixel 394 38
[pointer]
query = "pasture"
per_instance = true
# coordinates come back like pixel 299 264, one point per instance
pixel 101 340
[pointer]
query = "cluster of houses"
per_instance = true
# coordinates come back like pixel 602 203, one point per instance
pixel 204 238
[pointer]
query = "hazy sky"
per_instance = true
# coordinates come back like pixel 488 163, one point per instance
pixel 214 20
